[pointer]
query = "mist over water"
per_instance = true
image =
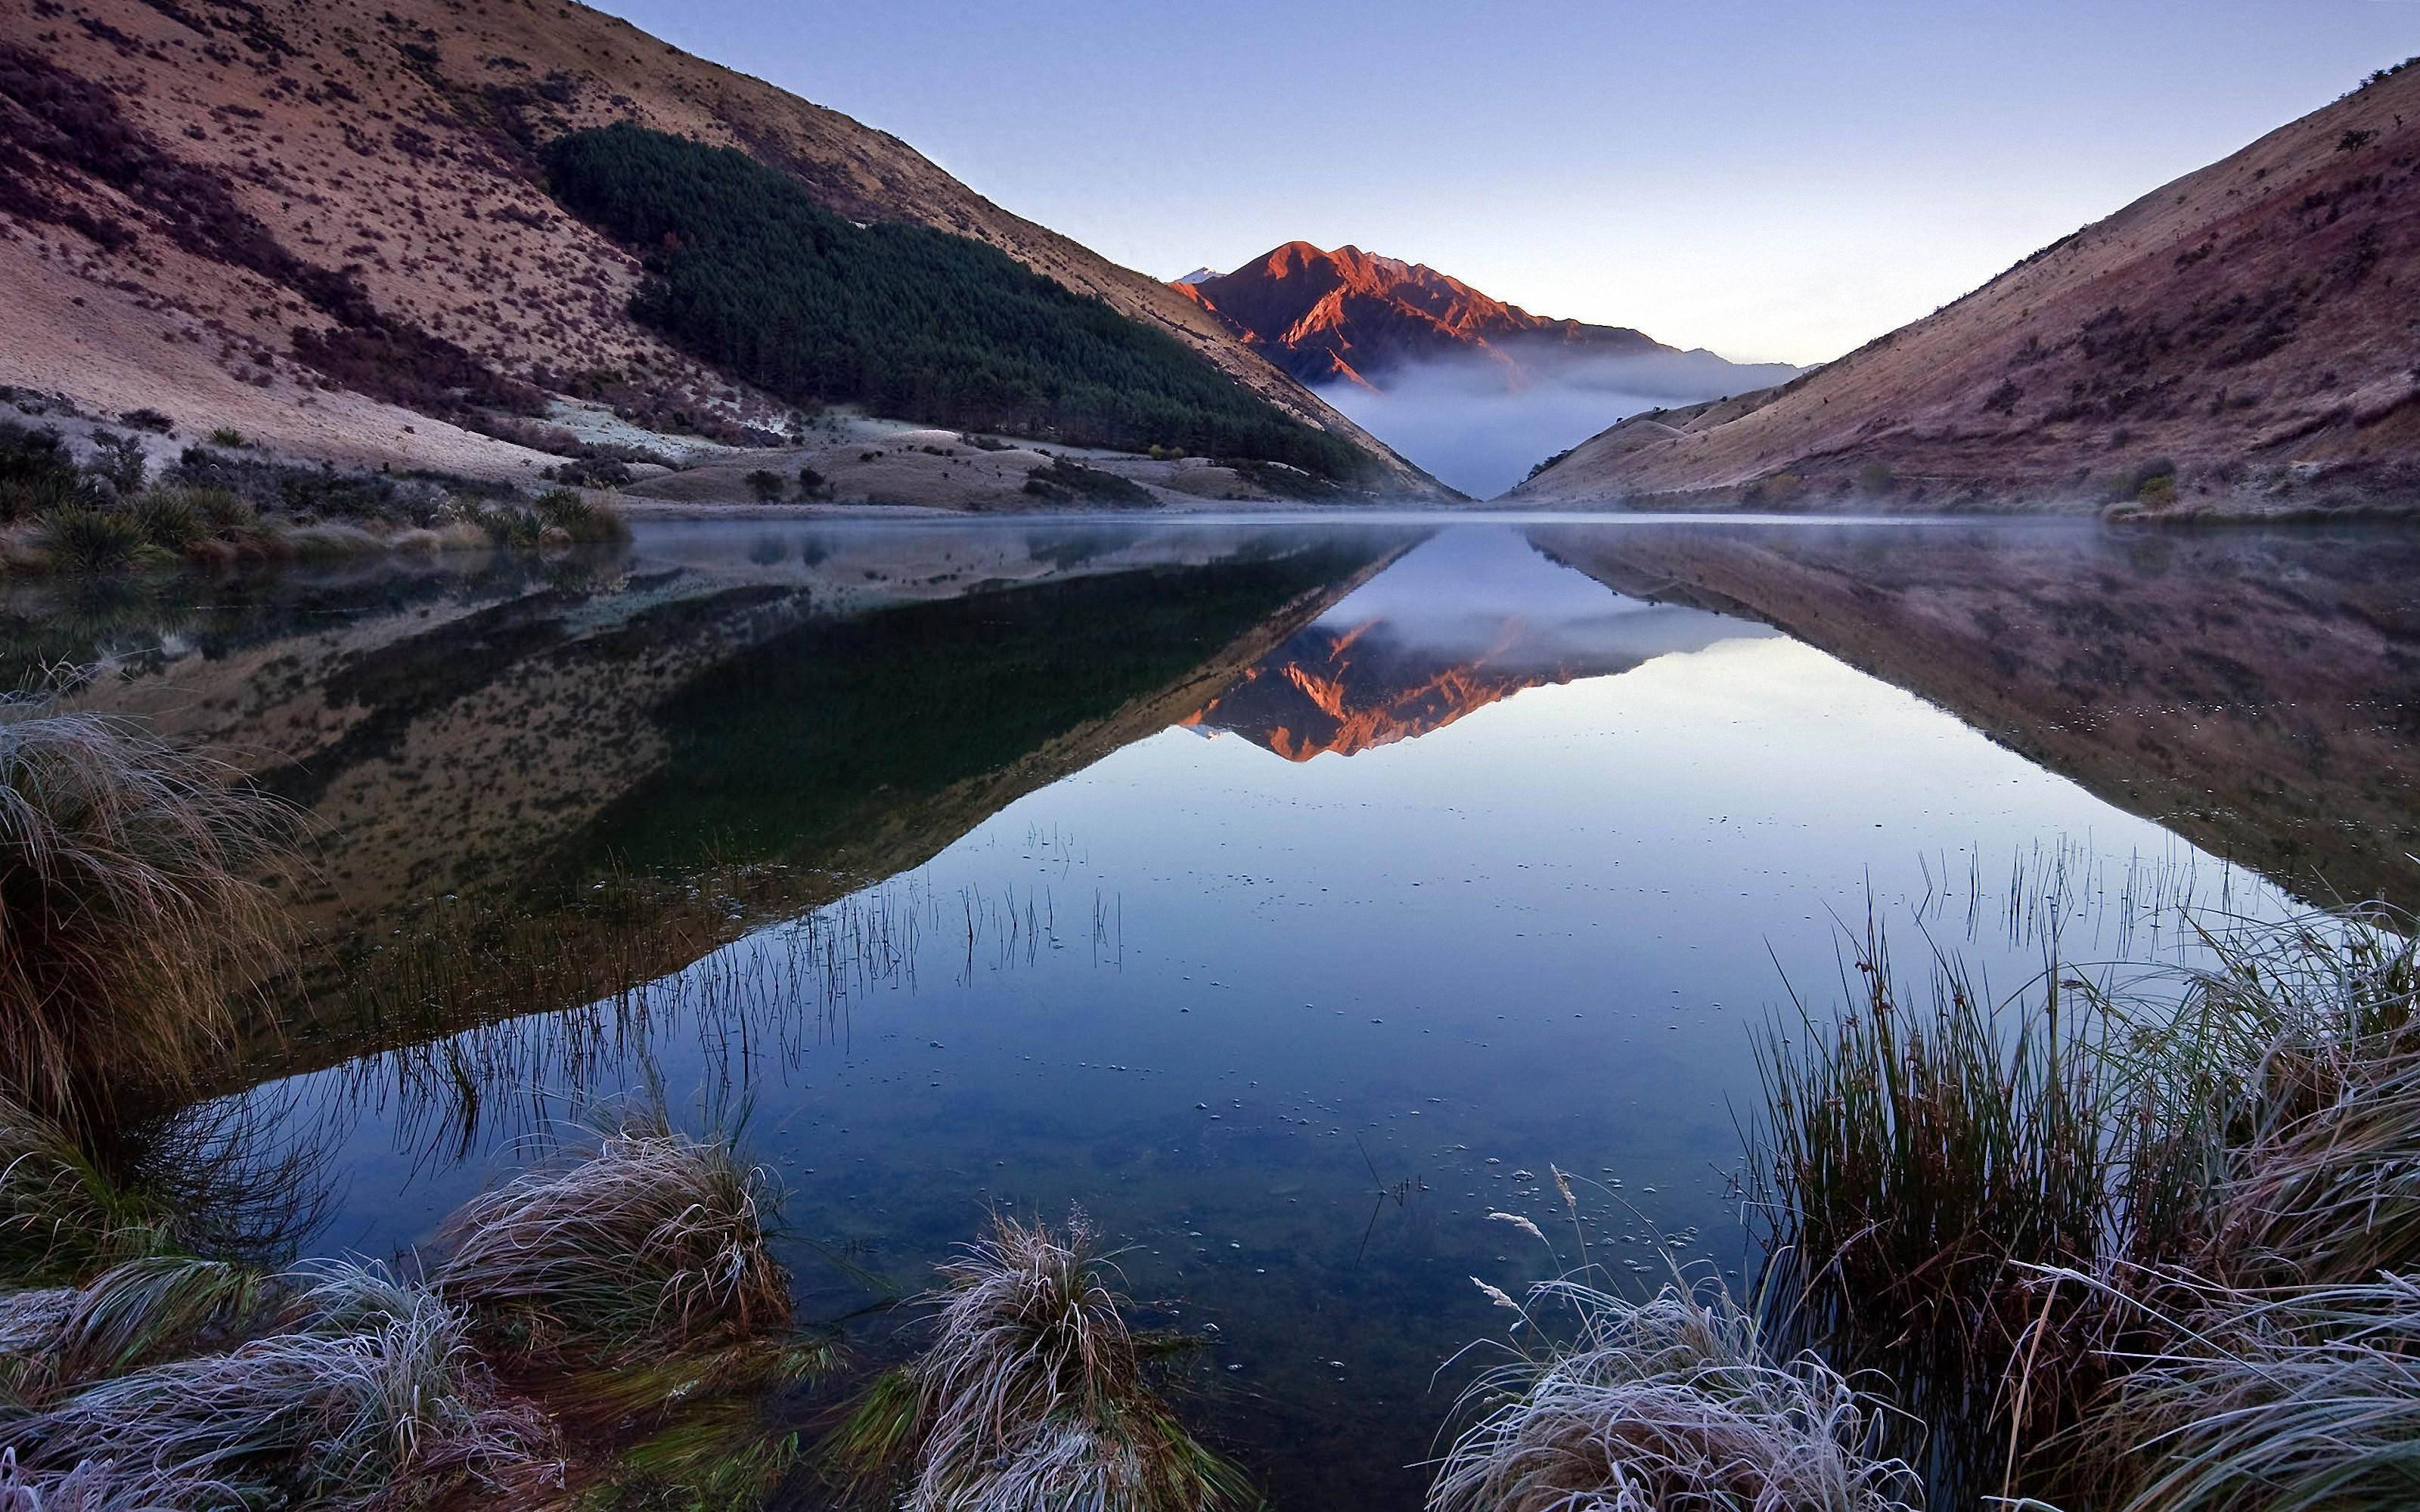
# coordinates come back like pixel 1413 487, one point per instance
pixel 1481 423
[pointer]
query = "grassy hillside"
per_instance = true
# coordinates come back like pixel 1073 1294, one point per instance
pixel 745 270
pixel 326 226
pixel 2238 342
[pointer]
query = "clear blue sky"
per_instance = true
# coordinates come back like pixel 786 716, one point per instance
pixel 1773 178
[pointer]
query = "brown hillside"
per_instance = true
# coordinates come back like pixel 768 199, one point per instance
pixel 182 182
pixel 2256 323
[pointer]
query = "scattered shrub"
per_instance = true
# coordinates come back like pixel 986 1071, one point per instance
pixel 765 485
pixel 150 419
pixel 1536 467
pixel 227 435
pixel 119 461
pixel 37 474
pixel 1063 481
pixel 594 472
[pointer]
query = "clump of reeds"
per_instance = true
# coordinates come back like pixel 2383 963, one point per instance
pixel 374 1389
pixel 1033 1396
pixel 2033 1213
pixel 130 904
pixel 652 1244
pixel 1925 1156
pixel 62 1215
pixel 1670 1403
pixel 214 1180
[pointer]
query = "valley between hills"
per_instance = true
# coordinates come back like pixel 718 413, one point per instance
pixel 499 250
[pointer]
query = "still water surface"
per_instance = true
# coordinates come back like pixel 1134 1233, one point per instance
pixel 1289 897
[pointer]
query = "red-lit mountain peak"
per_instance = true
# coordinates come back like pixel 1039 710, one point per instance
pixel 1354 315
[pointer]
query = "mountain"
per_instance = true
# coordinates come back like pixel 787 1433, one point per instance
pixel 329 227
pixel 1199 275
pixel 2241 341
pixel 1349 317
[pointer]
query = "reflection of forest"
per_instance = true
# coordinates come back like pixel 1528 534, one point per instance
pixel 531 795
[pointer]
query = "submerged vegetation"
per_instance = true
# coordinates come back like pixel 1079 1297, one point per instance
pixel 1034 1394
pixel 2148 1245
pixel 748 272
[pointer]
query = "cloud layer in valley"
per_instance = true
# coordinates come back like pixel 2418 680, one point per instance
pixel 1480 425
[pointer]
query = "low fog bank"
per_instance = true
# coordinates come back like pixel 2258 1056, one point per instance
pixel 1480 425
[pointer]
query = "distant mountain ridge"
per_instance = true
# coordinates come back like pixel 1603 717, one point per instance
pixel 1353 317
pixel 2243 341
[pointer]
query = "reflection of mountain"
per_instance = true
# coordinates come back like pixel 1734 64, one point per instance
pixel 1350 687
pixel 1466 620
pixel 483 751
pixel 2257 693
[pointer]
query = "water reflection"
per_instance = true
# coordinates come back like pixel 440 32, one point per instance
pixel 1467 619
pixel 2255 692
pixel 909 838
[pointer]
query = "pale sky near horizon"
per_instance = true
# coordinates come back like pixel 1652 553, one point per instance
pixel 1774 180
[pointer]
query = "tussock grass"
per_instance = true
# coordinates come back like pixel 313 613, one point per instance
pixel 1033 1396
pixel 331 540
pixel 653 1243
pixel 82 538
pixel 2285 1400
pixel 1669 1403
pixel 134 1315
pixel 376 1391
pixel 558 517
pixel 131 906
pixel 2295 1085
